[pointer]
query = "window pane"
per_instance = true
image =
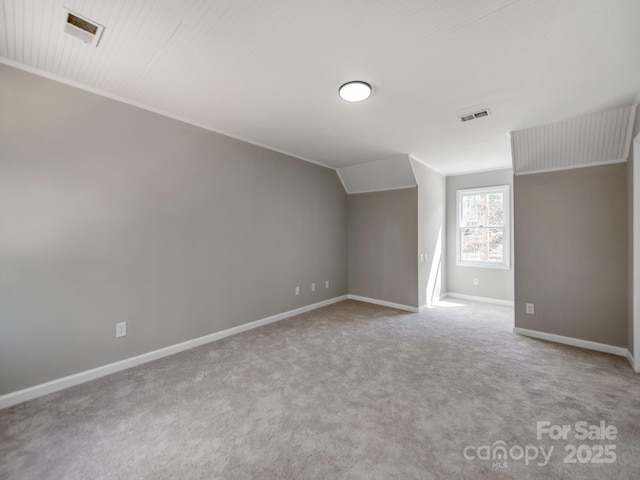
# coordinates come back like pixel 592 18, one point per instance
pixel 495 210
pixel 483 210
pixel 482 244
pixel 496 243
pixel 473 210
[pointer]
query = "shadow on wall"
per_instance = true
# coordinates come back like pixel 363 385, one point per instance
pixel 434 282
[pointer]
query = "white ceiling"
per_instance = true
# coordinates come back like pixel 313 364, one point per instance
pixel 268 71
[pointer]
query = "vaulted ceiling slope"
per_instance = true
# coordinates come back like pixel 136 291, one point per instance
pixel 597 139
pixel 268 72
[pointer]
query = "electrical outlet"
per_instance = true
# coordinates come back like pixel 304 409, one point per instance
pixel 326 284
pixel 121 329
pixel 297 290
pixel 313 287
pixel 476 281
pixel 530 308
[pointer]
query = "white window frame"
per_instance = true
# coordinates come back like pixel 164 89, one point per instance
pixel 506 247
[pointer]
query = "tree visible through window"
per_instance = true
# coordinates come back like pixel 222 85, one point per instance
pixel 483 227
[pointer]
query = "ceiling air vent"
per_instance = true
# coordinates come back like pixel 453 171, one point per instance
pixel 86 30
pixel 473 116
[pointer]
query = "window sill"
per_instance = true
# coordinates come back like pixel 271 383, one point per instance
pixel 498 266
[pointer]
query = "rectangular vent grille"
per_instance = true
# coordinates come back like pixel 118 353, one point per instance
pixel 473 116
pixel 82 24
pixel 82 28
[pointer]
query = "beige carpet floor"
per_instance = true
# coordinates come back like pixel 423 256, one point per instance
pixel 350 391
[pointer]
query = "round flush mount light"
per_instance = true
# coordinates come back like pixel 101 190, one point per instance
pixel 355 91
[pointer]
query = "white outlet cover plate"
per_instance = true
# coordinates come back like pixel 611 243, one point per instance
pixel 121 329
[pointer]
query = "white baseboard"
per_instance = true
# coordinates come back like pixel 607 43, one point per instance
pixel 423 307
pixel 30 393
pixel 574 342
pixel 384 303
pixel 636 368
pixel 473 298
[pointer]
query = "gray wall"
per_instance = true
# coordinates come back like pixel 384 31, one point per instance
pixel 383 245
pixel 492 282
pixel 431 232
pixel 110 213
pixel 630 225
pixel 571 253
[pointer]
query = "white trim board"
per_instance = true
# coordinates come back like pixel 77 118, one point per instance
pixel 30 393
pixel 635 294
pixel 473 298
pixel 573 167
pixel 375 190
pixel 628 139
pixel 574 342
pixel 383 303
pixel 631 360
pixel 636 251
pixel 482 170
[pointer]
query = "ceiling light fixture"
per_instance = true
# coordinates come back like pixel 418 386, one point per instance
pixel 355 91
